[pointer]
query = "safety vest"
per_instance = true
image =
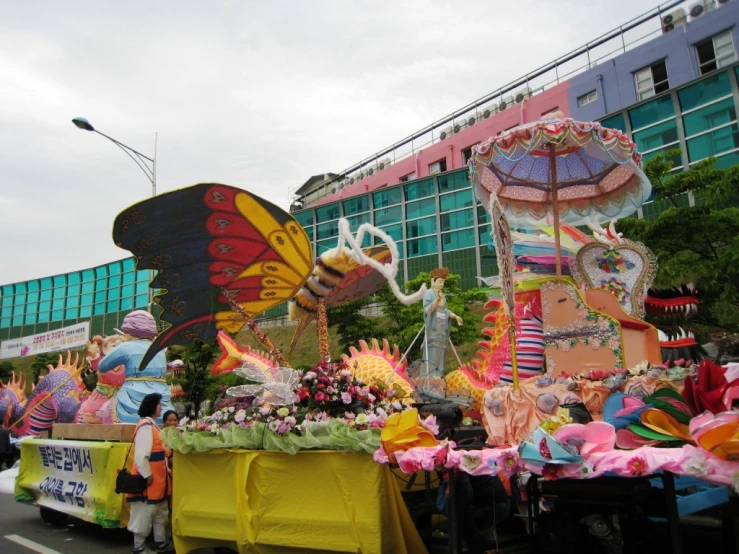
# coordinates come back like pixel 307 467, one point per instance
pixel 160 487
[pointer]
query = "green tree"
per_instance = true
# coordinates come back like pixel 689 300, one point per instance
pixel 6 370
pixel 41 362
pixel 197 380
pixel 351 325
pixel 697 244
pixel 402 323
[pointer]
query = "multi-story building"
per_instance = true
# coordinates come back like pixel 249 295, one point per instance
pixel 667 78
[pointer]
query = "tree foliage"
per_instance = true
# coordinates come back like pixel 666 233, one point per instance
pixel 697 244
pixel 197 380
pixel 6 370
pixel 351 325
pixel 41 362
pixel 402 323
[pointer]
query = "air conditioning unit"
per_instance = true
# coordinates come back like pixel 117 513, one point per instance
pixel 341 185
pixel 522 94
pixel 446 132
pixel 460 126
pixel 370 171
pixel 488 111
pixel 674 19
pixel 507 102
pixel 471 120
pixel 700 8
pixel 384 163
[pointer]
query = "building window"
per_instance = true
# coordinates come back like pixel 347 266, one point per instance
pixel 651 80
pixel 408 177
pixel 466 155
pixel 552 110
pixel 588 98
pixel 437 167
pixel 716 52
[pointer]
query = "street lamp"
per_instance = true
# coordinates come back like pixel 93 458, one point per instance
pixel 139 159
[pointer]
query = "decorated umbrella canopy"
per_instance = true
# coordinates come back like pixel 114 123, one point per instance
pixel 559 168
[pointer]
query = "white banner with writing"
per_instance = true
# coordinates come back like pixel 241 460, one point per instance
pixel 66 338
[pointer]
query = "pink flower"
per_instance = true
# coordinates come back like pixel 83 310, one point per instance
pixel 349 415
pixel 309 376
pixel 430 424
pixel 346 398
pixel 264 411
pixel 290 420
pixel 346 373
pixel 282 428
pixel 637 466
pixel 508 463
pixel 320 397
pixel 240 417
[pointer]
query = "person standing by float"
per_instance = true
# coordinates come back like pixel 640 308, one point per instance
pixel 150 509
pixel 139 328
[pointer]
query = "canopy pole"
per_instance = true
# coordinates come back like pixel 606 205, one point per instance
pixel 555 207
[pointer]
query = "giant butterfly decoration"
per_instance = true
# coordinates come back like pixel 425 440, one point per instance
pixel 214 246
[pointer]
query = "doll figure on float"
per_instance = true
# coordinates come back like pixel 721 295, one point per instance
pixel 107 384
pixel 138 328
pixel 437 318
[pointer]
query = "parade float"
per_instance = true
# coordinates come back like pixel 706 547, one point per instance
pixel 570 382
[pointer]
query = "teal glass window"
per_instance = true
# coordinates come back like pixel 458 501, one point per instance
pixel 19 299
pixel 73 301
pixel 57 315
pixel 30 319
pixel 357 220
pixel 725 162
pixel 457 220
pixel 457 240
pixel 420 208
pixel 304 218
pixel 31 308
pixel 142 276
pixel 322 247
pixel 43 317
pixel 127 291
pixel 658 109
pixel 99 297
pixel 7 301
pixel 20 288
pixel 7 290
pixel 127 278
pixel 327 213
pixel 60 280
pixel 86 311
pixel 710 144
pixel 32 297
pixel 129 264
pixel 5 322
pixel 709 117
pixel 676 160
pixel 114 281
pixel 142 301
pixel 87 287
pixel 44 306
pixel 86 299
pixel 453 181
pixel 58 293
pixel 126 304
pixel 704 91
pixel 17 321
pixel 114 268
pixel 456 200
pixel 57 304
pixel 71 313
pixel 141 288
pixel 357 205
pixel 484 235
pixel 395 232
pixel 19 310
pixel 33 286
pixel 654 137
pixel 114 294
pixel 73 278
pixel 45 283
pixel 73 290
pixel 385 198
pixel 617 121
pixel 112 306
pixel 419 189
pixel 422 247
pixel 327 230
pixel 420 227
pixel 101 285
pixel 101 271
pixel 388 215
pixel 88 275
pixel 99 309
pixel 309 232
pixel 7 312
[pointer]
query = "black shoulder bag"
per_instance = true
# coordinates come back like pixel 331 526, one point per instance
pixel 127 483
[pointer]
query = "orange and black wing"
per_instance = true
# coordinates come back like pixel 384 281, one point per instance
pixel 214 245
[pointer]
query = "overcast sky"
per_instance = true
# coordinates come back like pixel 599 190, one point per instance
pixel 259 95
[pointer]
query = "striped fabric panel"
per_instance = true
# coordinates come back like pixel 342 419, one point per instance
pixel 530 350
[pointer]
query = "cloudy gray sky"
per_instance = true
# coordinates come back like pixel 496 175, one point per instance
pixel 260 95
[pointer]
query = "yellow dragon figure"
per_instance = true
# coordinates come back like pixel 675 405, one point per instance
pixel 377 363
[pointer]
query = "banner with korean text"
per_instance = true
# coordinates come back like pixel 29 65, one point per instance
pixel 74 477
pixel 66 338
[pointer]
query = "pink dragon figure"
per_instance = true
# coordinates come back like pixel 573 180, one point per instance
pixel 55 399
pixel 97 408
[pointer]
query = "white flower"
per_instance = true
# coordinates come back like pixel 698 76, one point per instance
pixel 586 469
pixel 231 409
pixel 214 428
pixel 218 416
pixel 697 465
pixel 470 462
pixel 397 405
pixel 274 425
pixel 290 420
pixel 183 421
pixel 282 412
pixel 363 419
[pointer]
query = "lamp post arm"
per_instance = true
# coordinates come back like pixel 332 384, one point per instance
pixel 139 162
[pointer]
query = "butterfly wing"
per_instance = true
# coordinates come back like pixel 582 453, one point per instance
pixel 360 281
pixel 212 245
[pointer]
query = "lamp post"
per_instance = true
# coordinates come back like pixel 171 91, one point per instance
pixel 139 159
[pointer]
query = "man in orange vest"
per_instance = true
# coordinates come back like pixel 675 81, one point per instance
pixel 150 508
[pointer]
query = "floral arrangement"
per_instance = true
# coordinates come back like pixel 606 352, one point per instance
pixel 328 397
